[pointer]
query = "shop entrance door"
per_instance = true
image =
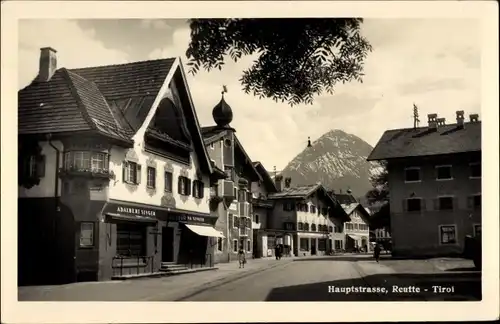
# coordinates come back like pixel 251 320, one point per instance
pixel 167 244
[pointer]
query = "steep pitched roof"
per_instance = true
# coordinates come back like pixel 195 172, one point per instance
pixel 112 100
pixel 302 192
pixel 349 208
pixel 266 178
pixel 422 141
pixel 92 99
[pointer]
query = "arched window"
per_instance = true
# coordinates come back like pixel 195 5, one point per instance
pixel 300 226
pixel 330 229
pixel 306 226
pixel 313 227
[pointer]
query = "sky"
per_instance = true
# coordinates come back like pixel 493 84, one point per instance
pixel 434 63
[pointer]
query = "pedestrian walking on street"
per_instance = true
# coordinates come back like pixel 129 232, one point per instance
pixel 241 258
pixel 376 252
pixel 277 251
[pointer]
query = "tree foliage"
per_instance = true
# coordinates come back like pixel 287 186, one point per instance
pixel 379 195
pixel 380 191
pixel 295 59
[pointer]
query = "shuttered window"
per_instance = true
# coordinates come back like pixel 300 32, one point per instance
pixel 131 172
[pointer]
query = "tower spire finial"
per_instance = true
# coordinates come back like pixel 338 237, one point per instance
pixel 224 89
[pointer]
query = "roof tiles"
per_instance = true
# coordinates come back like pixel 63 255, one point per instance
pixel 447 139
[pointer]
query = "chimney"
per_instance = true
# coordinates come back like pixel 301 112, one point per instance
pixel 441 121
pixel 433 124
pixel 288 181
pixel 277 181
pixel 474 118
pixel 460 118
pixel 48 64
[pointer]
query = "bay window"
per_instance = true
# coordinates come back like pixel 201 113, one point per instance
pixel 86 161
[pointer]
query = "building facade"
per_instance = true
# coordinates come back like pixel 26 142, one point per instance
pixel 356 232
pixel 303 219
pixel 231 199
pixel 434 184
pixel 114 177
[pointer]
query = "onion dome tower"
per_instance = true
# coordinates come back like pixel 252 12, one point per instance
pixel 222 112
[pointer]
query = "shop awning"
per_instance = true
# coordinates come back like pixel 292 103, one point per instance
pixel 205 230
pixel 131 218
pixel 354 237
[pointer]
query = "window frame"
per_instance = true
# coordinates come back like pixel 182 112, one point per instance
pixel 439 198
pixel 171 184
pixel 256 218
pixel 92 237
pixel 235 216
pixel 471 176
pixel 307 245
pixel 249 245
pixel 455 234
pixel 421 208
pixel 411 169
pixel 132 168
pixel 220 245
pixel 449 166
pixel 151 182
pixel 235 245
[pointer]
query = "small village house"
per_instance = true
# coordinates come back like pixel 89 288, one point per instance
pixel 303 218
pixel 114 176
pixel 434 184
pixel 356 232
pixel 263 212
pixel 231 199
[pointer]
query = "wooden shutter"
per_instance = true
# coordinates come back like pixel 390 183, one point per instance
pixel 124 171
pixel 188 186
pixel 179 187
pixel 195 183
pixel 40 166
pixel 138 173
pixel 201 189
pixel 405 205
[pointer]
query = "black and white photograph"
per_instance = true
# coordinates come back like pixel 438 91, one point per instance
pixel 187 157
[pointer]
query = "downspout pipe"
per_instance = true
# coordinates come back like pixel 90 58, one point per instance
pixel 56 176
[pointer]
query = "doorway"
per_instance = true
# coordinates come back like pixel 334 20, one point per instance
pixel 313 246
pixel 167 244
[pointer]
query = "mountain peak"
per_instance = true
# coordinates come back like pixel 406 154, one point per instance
pixel 337 159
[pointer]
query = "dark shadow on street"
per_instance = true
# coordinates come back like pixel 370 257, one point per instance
pixel 462 269
pixel 467 287
pixel 350 258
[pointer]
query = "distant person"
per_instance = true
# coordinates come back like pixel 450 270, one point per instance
pixel 280 249
pixel 277 251
pixel 241 258
pixel 376 252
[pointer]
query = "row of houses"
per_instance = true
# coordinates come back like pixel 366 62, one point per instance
pixel 118 178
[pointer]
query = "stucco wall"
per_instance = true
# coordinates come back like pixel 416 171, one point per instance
pixel 46 187
pixel 417 233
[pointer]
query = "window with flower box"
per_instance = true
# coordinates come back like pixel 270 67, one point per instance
pixel 86 161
